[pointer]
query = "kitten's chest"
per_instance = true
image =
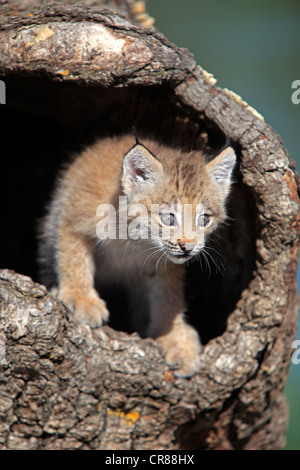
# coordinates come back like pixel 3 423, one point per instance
pixel 125 260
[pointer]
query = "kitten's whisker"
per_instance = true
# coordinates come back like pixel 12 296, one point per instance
pixel 209 257
pixel 206 262
pixel 151 255
pixel 214 250
pixel 157 263
pixel 166 260
pixel 140 253
pixel 217 262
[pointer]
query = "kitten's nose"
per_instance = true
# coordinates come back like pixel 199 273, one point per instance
pixel 186 248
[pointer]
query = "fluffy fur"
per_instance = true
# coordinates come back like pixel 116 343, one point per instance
pixel 149 174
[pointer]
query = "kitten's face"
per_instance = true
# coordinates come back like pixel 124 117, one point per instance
pixel 182 228
pixel 181 198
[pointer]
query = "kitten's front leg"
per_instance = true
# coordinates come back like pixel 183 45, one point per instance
pixel 167 324
pixel 76 277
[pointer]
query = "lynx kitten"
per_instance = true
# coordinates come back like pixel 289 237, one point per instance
pixel 133 213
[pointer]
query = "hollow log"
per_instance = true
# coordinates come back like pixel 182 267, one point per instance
pixel 75 72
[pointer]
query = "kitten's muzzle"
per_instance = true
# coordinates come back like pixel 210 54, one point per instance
pixel 186 248
pixel 182 251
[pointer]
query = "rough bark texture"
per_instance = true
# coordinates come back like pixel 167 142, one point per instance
pixel 64 386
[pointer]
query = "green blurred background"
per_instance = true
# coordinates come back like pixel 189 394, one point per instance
pixel 251 47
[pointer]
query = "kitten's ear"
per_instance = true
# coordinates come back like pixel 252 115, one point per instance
pixel 140 169
pixel 220 168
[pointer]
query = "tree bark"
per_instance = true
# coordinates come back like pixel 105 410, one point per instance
pixel 65 386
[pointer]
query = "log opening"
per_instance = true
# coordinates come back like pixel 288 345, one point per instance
pixel 51 121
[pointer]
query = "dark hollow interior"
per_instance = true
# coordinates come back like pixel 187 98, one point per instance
pixel 44 122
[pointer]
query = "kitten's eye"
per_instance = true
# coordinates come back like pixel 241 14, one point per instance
pixel 167 219
pixel 203 220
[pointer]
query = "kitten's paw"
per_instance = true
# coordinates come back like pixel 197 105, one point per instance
pixel 90 309
pixel 183 350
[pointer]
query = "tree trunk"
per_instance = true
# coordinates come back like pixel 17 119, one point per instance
pixel 73 72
